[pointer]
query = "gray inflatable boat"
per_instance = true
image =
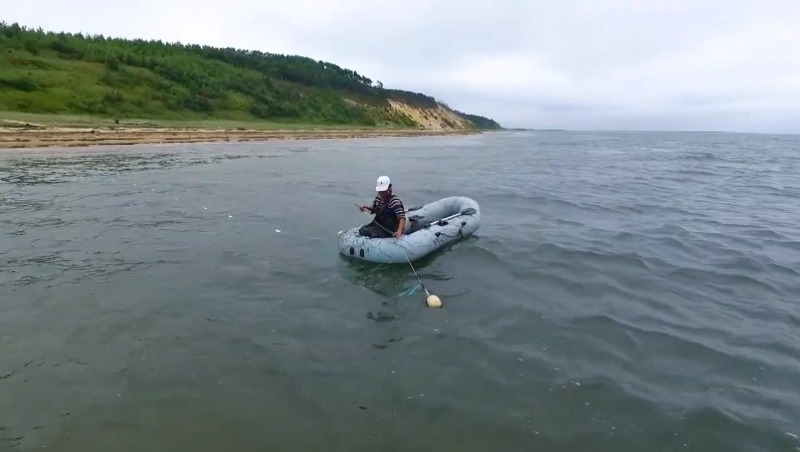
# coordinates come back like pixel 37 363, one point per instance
pixel 427 229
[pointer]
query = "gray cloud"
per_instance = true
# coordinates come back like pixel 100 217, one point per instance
pixel 579 64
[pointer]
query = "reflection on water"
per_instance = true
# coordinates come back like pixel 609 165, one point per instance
pixel 392 280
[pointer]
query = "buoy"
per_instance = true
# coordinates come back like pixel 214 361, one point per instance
pixel 434 301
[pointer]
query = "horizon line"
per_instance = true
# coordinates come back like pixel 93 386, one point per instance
pixel 549 129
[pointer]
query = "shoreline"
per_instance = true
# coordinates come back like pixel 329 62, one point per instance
pixel 70 137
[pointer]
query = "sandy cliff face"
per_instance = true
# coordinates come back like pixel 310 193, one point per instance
pixel 439 118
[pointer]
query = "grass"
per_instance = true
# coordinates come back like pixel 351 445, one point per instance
pixel 14 119
pixel 50 90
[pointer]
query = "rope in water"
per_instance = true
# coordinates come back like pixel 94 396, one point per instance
pixel 413 289
pixel 415 274
pixel 433 300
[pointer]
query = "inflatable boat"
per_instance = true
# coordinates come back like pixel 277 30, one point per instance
pixel 427 229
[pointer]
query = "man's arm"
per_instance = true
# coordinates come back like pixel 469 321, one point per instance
pixel 400 212
pixel 400 227
pixel 366 208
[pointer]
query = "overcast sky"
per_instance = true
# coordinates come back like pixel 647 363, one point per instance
pixel 576 64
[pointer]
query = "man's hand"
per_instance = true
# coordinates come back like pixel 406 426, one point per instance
pixel 363 208
pixel 397 234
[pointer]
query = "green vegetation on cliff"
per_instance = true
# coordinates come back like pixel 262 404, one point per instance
pixel 63 73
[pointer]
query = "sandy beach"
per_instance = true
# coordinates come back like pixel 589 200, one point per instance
pixel 15 137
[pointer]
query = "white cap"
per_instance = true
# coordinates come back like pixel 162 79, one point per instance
pixel 383 183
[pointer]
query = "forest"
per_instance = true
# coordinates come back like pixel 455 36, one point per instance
pixel 55 72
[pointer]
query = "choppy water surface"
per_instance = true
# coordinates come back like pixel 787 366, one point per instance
pixel 626 292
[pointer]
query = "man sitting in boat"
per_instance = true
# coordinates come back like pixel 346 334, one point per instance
pixel 390 215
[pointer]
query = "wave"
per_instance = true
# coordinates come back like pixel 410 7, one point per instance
pixel 701 156
pixel 678 353
pixel 610 277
